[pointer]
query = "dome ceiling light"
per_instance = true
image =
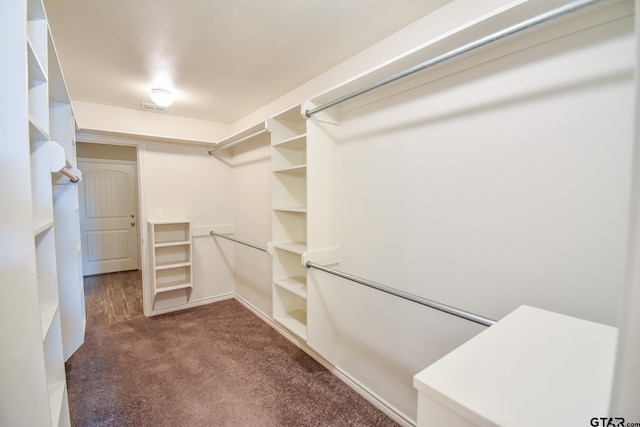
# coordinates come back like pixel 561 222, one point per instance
pixel 161 97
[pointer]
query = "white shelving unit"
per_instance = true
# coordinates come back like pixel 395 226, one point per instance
pixel 170 255
pixel 43 213
pixel 289 220
pixel 38 219
pixel 66 211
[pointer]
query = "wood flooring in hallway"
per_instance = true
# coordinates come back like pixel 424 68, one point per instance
pixel 113 297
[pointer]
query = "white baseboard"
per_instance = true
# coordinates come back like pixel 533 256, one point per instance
pixel 192 304
pixel 363 391
pixel 373 398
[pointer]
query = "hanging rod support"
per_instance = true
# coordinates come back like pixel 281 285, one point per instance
pixel 251 245
pixel 498 35
pixel 66 172
pixel 224 147
pixel 485 321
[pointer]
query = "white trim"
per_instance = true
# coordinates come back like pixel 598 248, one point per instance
pixel 625 390
pixel 198 303
pixel 363 391
pixel 139 144
pixel 373 398
pixel 129 139
pixel 95 138
pixel 110 161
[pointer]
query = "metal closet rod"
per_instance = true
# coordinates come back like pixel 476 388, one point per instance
pixel 498 35
pixel 224 147
pixel 485 321
pixel 251 245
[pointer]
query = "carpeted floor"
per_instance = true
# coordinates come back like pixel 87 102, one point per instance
pixel 214 365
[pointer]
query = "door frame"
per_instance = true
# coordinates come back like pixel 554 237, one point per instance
pixel 147 294
pixel 137 195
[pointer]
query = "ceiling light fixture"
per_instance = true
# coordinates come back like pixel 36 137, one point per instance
pixel 161 97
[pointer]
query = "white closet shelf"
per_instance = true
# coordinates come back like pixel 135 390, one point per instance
pixel 168 265
pixel 295 247
pixel 299 209
pixel 297 142
pixel 35 11
pixel 36 131
pixel 296 285
pixel 171 286
pixel 245 135
pixel 293 170
pixel 295 321
pixel 41 225
pixel 56 397
pixel 36 70
pixel 176 243
pixel 47 314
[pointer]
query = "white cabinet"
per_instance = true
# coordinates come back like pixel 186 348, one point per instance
pixel 533 367
pixel 170 255
pixel 33 385
pixel 289 220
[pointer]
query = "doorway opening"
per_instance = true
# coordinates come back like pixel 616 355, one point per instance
pixel 109 228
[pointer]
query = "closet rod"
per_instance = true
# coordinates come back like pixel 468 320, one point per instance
pixel 498 35
pixel 66 172
pixel 224 147
pixel 485 321
pixel 251 245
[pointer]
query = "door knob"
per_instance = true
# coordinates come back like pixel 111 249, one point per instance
pixel 133 223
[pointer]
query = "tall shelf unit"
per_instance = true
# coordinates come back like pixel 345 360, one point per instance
pixel 37 221
pixel 66 210
pixel 170 255
pixel 289 220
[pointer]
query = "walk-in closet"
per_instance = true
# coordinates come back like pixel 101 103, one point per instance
pixel 441 226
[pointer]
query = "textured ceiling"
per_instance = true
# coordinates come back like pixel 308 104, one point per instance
pixel 223 58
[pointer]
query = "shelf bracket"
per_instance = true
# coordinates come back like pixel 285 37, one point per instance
pixel 326 256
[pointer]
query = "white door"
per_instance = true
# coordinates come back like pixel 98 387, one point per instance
pixel 108 217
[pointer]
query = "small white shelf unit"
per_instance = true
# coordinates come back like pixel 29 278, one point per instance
pixel 170 255
pixel 289 220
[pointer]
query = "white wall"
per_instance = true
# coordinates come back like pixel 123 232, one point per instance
pixel 252 223
pixel 626 387
pixel 424 31
pixel 186 183
pixel 488 185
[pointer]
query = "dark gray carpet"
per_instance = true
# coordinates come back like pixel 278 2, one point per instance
pixel 215 365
